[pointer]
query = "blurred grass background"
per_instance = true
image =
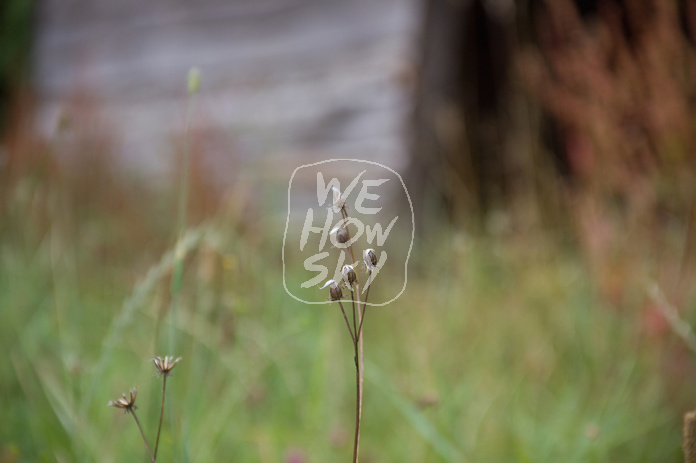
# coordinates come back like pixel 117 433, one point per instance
pixel 500 349
pixel 519 342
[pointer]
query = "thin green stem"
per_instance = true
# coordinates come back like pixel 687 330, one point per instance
pixel 183 206
pixel 184 180
pixel 132 411
pixel 159 428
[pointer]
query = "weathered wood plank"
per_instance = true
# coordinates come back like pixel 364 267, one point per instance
pixel 289 80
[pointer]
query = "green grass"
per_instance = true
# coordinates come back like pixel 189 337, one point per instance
pixel 498 350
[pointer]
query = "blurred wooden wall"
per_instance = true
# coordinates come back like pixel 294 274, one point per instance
pixel 284 82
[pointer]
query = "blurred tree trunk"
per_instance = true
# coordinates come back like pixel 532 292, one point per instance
pixel 459 120
pixel 16 18
pixel 479 143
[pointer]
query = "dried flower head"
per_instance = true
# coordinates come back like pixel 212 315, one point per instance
pixel 339 202
pixel 370 258
pixel 165 365
pixel 349 276
pixel 335 291
pixel 126 403
pixel 341 233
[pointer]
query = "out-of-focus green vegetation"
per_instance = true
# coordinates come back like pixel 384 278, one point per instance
pixel 513 347
pixel 499 350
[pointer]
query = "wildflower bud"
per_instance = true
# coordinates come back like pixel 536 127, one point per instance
pixel 335 291
pixel 349 276
pixel 370 258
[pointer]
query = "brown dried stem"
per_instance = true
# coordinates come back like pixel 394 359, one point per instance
pixel 358 344
pixel 345 317
pixel 159 428
pixel 359 353
pixel 132 411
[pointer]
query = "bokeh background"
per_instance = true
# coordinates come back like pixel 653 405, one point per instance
pixel 548 148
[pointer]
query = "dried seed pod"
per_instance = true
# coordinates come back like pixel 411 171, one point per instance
pixel 335 292
pixel 342 235
pixel 370 258
pixel 349 276
pixel 339 202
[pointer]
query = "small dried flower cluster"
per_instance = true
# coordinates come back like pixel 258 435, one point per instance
pixel 348 276
pixel 126 403
pixel 164 365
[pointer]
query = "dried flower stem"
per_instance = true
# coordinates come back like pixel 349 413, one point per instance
pixel 358 349
pixel 132 411
pixel 345 317
pixel 362 314
pixel 355 325
pixel 358 344
pixel 344 214
pixel 159 428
